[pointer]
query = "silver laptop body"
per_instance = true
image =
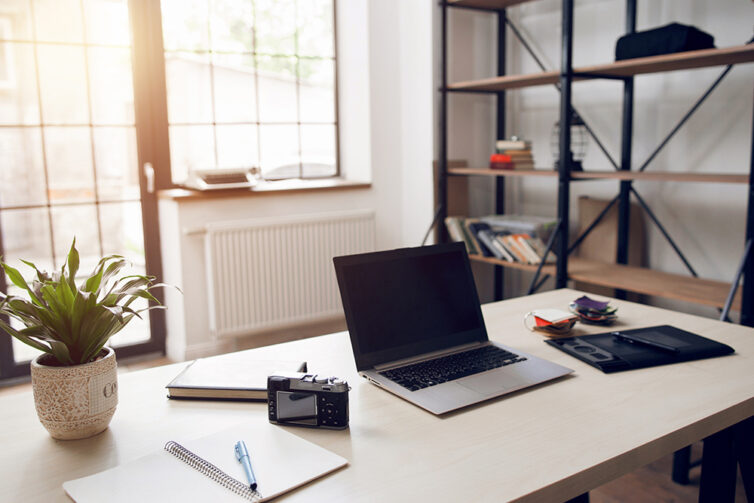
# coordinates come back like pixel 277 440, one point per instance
pixel 415 305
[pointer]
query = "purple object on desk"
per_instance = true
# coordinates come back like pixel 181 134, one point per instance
pixel 588 303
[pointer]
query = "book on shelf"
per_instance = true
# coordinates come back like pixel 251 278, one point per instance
pixel 474 226
pixel 458 232
pixel 511 242
pixel 500 236
pixel 512 144
pixel 228 377
pixel 535 226
pixel 490 239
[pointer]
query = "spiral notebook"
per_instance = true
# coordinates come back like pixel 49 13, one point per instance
pixel 205 469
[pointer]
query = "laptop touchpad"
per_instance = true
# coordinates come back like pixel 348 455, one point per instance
pixel 492 383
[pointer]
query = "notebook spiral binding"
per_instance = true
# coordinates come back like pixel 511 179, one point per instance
pixel 213 472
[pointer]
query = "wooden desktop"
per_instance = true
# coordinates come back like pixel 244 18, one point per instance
pixel 548 443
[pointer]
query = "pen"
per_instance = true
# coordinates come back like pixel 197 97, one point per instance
pixel 242 455
pixel 646 342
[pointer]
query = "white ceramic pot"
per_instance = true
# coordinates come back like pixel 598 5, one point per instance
pixel 78 401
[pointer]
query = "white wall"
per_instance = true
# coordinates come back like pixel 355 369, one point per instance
pixel 706 220
pixel 385 87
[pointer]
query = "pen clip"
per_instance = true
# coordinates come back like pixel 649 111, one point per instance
pixel 238 451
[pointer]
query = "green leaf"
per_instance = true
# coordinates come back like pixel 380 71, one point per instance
pixel 65 295
pixel 62 353
pixel 41 275
pixel 73 265
pixel 23 338
pixel 19 281
pixel 93 282
pixel 113 269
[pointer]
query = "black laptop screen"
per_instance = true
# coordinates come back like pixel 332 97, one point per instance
pixel 406 302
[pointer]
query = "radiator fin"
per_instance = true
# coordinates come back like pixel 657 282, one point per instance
pixel 268 274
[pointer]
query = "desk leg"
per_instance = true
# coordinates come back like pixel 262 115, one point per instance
pixel 718 484
pixel 583 498
pixel 682 465
pixel 745 453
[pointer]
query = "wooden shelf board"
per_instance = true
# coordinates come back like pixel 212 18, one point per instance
pixel 508 82
pixel 548 269
pixel 486 4
pixel 636 66
pixel 662 176
pixel 503 172
pixel 635 279
pixel 652 282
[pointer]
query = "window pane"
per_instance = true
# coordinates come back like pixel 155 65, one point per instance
pixel 107 22
pixel 22 178
pixel 237 146
pixel 18 84
pixel 317 90
pixel 184 25
pixel 15 23
pixel 111 85
pixel 58 20
pixel 315 28
pixel 79 222
pixel 137 329
pixel 62 73
pixel 318 151
pixel 276 27
pixel 69 164
pixel 235 88
pixel 279 151
pixel 26 235
pixel 188 83
pixel 117 163
pixel 122 234
pixel 277 89
pixel 191 147
pixel 232 26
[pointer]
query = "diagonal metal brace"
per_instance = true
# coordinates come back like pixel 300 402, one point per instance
pixel 664 233
pixel 594 224
pixel 557 86
pixel 533 286
pixel 689 114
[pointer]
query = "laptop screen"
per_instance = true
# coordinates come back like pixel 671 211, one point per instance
pixel 406 302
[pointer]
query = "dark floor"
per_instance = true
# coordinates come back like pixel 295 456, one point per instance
pixel 652 483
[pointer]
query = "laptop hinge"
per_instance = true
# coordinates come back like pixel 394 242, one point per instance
pixel 429 356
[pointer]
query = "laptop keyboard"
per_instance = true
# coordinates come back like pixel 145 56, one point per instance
pixel 451 367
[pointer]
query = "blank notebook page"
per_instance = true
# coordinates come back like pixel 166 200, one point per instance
pixel 281 461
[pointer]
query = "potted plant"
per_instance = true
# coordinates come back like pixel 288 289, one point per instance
pixel 74 380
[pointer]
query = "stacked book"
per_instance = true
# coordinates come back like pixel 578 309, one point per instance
pixel 512 244
pixel 512 154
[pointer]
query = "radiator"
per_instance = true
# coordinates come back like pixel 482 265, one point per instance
pixel 272 273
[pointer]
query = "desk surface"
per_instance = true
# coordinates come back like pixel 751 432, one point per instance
pixel 547 443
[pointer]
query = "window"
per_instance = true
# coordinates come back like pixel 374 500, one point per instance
pixel 251 84
pixel 68 145
pixel 248 83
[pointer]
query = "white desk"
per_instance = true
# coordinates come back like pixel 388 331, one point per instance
pixel 548 443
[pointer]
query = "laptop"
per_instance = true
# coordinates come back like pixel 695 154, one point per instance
pixel 417 330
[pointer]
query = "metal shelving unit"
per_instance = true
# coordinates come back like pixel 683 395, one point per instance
pixel 620 276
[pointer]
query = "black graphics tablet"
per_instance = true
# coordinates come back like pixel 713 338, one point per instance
pixel 642 347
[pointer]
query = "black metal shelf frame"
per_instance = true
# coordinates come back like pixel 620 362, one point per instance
pixel 559 241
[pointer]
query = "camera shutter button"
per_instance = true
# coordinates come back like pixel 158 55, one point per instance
pixel 335 380
pixel 321 380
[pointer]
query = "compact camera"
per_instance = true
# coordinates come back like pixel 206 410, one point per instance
pixel 303 399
